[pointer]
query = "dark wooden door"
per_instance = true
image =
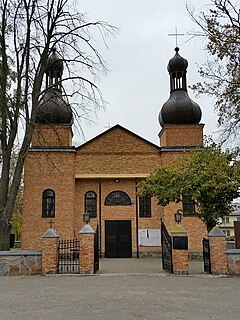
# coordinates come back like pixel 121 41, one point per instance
pixel 118 239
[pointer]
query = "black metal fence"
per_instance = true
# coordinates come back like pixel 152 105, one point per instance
pixel 206 256
pixel 68 256
pixel 167 263
pixel 96 251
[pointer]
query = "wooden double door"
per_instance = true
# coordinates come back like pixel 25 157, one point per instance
pixel 118 239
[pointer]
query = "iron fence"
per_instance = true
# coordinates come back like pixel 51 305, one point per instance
pixel 68 256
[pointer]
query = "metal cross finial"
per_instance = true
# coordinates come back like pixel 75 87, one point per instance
pixel 176 35
pixel 108 126
pixel 50 223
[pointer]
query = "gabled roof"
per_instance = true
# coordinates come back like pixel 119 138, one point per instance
pixel 117 126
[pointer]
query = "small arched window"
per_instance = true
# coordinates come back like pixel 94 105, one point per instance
pixel 48 203
pixel 90 205
pixel 117 198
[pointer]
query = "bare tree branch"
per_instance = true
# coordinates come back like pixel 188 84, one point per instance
pixel 29 29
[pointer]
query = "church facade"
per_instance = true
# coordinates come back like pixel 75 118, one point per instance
pixel 101 177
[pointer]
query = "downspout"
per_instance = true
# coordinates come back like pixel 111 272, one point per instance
pixel 100 215
pixel 136 190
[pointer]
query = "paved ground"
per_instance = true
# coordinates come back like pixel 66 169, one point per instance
pixel 144 265
pixel 141 296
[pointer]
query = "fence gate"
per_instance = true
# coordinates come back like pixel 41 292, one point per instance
pixel 166 241
pixel 96 251
pixel 68 256
pixel 206 256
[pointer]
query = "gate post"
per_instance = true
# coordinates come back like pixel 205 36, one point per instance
pixel 86 250
pixel 218 251
pixel 49 251
pixel 237 234
pixel 179 250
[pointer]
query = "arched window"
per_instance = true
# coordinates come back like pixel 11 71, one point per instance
pixel 90 205
pixel 48 203
pixel 144 207
pixel 117 198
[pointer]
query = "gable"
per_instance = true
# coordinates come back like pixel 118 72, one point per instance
pixel 117 151
pixel 118 140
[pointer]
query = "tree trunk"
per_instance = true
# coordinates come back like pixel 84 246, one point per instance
pixel 4 235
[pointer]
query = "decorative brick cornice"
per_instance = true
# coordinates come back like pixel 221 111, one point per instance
pixel 52 149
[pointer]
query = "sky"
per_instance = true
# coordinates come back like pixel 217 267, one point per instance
pixel 137 84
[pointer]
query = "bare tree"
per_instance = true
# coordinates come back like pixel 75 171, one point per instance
pixel 219 24
pixel 29 29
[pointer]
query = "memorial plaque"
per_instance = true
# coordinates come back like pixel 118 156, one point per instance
pixel 180 243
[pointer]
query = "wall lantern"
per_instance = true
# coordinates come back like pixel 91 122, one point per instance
pixel 178 216
pixel 86 217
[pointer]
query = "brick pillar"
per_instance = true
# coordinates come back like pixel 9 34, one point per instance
pixel 49 251
pixel 179 250
pixel 86 259
pixel 218 251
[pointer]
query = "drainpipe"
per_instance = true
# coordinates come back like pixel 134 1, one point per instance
pixel 136 190
pixel 100 215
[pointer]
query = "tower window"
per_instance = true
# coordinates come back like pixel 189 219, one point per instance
pixel 117 198
pixel 188 204
pixel 48 203
pixel 145 207
pixel 91 203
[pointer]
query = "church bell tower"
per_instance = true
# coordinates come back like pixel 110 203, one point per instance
pixel 179 116
pixel 54 116
pixel 49 172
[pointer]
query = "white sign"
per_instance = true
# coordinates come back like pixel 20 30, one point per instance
pixel 149 237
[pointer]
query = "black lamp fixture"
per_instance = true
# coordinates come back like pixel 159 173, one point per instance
pixel 86 217
pixel 178 216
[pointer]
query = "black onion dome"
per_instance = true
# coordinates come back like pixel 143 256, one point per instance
pixel 53 109
pixel 180 109
pixel 54 62
pixel 177 63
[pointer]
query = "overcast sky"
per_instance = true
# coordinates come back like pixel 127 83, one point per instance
pixel 137 84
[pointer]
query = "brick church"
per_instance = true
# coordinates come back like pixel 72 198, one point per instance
pixel 101 176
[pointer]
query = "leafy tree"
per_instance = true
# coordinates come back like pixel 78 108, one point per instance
pixel 29 29
pixel 212 176
pixel 219 24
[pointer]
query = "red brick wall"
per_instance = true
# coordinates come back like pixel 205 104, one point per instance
pixel 49 255
pixel 86 259
pixel 218 255
pixel 180 262
pixel 55 171
pixel 193 225
pixel 181 135
pixel 52 135
pixel 114 212
pixel 117 152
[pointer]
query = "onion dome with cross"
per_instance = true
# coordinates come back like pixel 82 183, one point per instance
pixel 53 108
pixel 179 108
